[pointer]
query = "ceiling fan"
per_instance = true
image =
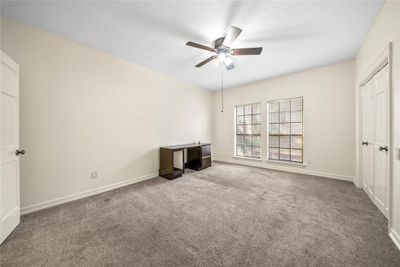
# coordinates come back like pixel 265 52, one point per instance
pixel 223 51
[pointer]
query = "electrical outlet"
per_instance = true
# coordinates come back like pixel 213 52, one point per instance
pixel 93 175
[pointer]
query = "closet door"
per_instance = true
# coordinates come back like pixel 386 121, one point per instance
pixel 9 160
pixel 375 133
pixel 368 139
pixel 381 149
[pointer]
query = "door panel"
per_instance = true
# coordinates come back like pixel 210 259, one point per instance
pixel 9 83
pixel 368 136
pixel 9 174
pixel 381 174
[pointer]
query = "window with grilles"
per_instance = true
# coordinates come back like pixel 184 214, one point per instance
pixel 248 131
pixel 285 130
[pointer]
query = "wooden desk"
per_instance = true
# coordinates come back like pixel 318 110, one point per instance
pixel 198 158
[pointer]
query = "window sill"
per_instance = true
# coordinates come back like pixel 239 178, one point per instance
pixel 246 158
pixel 296 164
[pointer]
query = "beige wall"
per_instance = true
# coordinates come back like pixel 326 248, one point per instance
pixel 83 110
pixel 386 29
pixel 329 120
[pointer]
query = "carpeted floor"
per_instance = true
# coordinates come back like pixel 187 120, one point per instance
pixel 226 215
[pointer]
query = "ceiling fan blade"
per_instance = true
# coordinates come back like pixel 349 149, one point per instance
pixel 246 51
pixel 196 45
pixel 231 36
pixel 206 61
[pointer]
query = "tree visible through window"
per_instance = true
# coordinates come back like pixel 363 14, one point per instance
pixel 286 129
pixel 248 130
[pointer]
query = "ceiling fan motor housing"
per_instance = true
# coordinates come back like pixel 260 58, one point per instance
pixel 218 42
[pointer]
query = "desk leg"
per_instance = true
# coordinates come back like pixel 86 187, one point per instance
pixel 183 160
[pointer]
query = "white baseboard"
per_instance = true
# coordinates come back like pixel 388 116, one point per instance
pixel 300 170
pixel 395 237
pixel 88 193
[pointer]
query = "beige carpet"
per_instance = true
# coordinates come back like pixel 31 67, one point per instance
pixel 226 215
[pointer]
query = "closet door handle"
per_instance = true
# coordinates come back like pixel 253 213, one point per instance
pixel 364 143
pixel 18 152
pixel 384 148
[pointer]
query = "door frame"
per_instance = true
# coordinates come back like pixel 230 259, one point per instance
pixel 384 58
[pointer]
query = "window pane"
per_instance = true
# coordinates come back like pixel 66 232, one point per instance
pixel 274 153
pixel 296 116
pixel 297 128
pixel 273 107
pixel 256 119
pixel 296 104
pixel 247 110
pixel 274 141
pixel 247 151
pixel 256 141
pixel 256 109
pixel 240 129
pixel 247 119
pixel 256 152
pixel 296 155
pixel 284 154
pixel 284 105
pixel 297 142
pixel 285 116
pixel 247 141
pixel 240 119
pixel 239 110
pixel 248 129
pixel 240 150
pixel 284 142
pixel 274 128
pixel 273 117
pixel 285 128
pixel 239 145
pixel 256 129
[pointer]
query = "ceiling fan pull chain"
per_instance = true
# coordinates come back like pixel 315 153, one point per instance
pixel 222 89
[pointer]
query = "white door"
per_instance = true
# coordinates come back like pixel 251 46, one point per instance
pixel 368 139
pixel 381 149
pixel 9 176
pixel 375 130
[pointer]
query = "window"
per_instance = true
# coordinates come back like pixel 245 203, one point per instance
pixel 248 131
pixel 285 128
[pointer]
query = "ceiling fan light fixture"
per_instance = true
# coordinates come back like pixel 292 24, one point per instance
pixel 228 63
pixel 222 56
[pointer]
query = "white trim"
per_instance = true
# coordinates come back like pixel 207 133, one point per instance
pixel 395 237
pixel 287 163
pixel 84 194
pixel 290 169
pixel 247 158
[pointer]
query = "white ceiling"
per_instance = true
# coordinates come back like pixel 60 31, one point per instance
pixel 296 35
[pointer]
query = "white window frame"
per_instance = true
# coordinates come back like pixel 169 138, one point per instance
pixel 235 131
pixel 283 161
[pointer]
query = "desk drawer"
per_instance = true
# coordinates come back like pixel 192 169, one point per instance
pixel 206 151
pixel 205 162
